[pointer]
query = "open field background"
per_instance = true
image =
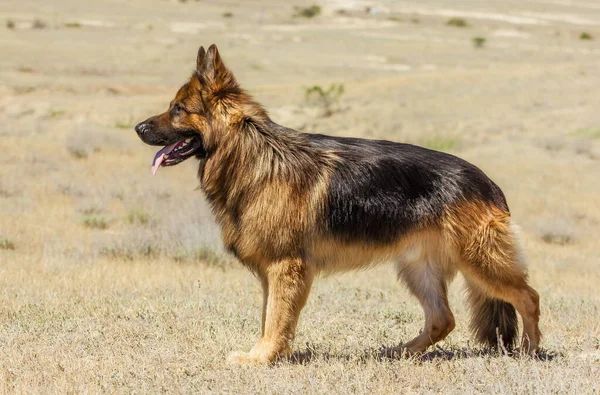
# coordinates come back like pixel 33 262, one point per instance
pixel 114 281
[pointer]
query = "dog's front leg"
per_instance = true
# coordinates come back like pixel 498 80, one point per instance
pixel 286 285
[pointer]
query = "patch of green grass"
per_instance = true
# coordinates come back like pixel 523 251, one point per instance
pixel 6 244
pixel 457 22
pixel 138 216
pixel 56 113
pixel 228 14
pixel 478 41
pixel 256 66
pixel 591 132
pixel 308 12
pixel 438 143
pixel 124 125
pixel 585 36
pixel 95 221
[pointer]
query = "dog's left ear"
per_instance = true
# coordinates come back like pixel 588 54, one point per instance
pixel 200 59
pixel 212 71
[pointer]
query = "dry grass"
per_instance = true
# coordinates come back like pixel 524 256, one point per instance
pixel 151 303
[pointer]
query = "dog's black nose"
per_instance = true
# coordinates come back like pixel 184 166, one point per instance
pixel 141 128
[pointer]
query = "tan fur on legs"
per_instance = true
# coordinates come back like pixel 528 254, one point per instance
pixel 288 286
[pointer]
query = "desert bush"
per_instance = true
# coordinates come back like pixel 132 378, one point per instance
pixel 6 244
pixel 479 42
pixel 457 22
pixel 72 25
pixel 10 24
pixel 326 99
pixel 585 36
pixel 228 14
pixel 308 12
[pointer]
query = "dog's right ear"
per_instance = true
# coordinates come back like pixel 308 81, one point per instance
pixel 200 59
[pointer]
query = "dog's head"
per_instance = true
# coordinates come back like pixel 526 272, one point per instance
pixel 187 128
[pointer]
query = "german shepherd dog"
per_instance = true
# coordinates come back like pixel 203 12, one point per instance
pixel 292 205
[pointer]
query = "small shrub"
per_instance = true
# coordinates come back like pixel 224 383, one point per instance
pixel 395 19
pixel 138 216
pixel 10 24
pixel 73 25
pixel 457 22
pixel 585 36
pixel 342 11
pixel 479 42
pixel 308 12
pixel 327 99
pixel 415 20
pixel 39 24
pixel 6 244
pixel 95 221
pixel 227 14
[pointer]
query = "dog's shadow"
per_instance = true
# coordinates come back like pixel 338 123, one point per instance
pixel 310 354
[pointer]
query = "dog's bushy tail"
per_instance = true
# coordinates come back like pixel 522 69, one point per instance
pixel 493 321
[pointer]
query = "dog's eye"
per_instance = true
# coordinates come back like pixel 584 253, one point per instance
pixel 177 109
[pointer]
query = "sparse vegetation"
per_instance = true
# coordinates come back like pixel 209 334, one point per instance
pixel 307 12
pixel 585 36
pixel 479 42
pixel 138 216
pixel 591 132
pixel 228 14
pixel 395 19
pixel 96 221
pixel 457 22
pixel 6 244
pixel 327 99
pixel 39 24
pixel 439 143
pixel 558 231
pixel 10 24
pixel 72 25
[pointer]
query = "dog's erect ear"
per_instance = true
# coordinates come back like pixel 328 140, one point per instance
pixel 200 59
pixel 213 72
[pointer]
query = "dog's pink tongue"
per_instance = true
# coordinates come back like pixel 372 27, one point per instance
pixel 161 156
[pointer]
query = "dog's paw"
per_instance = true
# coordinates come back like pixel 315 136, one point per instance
pixel 245 359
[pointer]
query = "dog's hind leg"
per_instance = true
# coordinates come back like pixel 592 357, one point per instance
pixel 426 279
pixel 286 285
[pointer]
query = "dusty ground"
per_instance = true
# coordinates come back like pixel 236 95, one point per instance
pixel 113 281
